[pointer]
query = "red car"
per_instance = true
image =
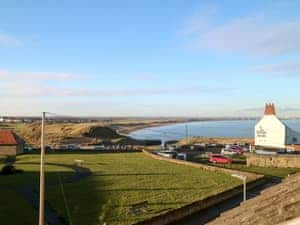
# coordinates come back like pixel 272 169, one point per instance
pixel 220 159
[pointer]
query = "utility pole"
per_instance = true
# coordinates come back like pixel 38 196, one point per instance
pixel 163 141
pixel 186 134
pixel 42 175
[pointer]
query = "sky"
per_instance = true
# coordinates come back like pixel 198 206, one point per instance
pixel 149 58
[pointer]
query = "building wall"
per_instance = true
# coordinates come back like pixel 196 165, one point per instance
pixel 270 132
pixel 284 161
pixel 8 150
pixel 20 148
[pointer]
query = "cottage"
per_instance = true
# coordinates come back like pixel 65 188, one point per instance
pixel 272 133
pixel 10 143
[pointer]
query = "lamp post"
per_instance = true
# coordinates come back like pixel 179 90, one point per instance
pixel 42 175
pixel 244 179
pixel 163 141
pixel 187 134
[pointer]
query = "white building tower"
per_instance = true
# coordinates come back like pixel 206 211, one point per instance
pixel 270 132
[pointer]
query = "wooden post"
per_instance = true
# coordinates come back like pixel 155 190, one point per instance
pixel 42 175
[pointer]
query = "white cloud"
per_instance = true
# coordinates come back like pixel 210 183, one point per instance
pixel 9 41
pixel 200 20
pixel 145 77
pixel 247 35
pixel 284 67
pixel 37 76
pixel 25 89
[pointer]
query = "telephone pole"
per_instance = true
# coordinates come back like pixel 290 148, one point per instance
pixel 42 175
pixel 186 134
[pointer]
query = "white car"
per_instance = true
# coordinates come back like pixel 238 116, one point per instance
pixel 228 151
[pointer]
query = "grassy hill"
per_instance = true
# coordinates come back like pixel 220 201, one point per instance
pixel 101 133
pixel 64 133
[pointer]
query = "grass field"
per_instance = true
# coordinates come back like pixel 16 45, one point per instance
pixel 15 210
pixel 117 182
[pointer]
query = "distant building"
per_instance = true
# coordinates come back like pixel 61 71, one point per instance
pixel 10 120
pixel 272 133
pixel 10 143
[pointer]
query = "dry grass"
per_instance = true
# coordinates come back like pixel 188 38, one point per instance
pixel 221 140
pixel 75 133
pixel 59 133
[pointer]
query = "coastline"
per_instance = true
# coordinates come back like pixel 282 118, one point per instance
pixel 126 130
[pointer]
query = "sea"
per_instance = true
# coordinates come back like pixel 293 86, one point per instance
pixel 228 128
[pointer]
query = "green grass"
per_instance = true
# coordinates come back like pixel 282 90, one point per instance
pixel 117 182
pixel 15 210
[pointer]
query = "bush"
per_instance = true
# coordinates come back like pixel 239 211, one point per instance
pixel 9 170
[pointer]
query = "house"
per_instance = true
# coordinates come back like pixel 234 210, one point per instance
pixel 10 143
pixel 272 133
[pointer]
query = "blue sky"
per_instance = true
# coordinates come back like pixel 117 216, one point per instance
pixel 149 58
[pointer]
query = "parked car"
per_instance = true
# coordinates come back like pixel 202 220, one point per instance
pixel 265 152
pixel 220 159
pixel 73 147
pixel 48 148
pixel 28 149
pixel 237 148
pixel 228 151
pixel 168 154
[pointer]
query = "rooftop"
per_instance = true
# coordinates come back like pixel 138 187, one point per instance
pixel 7 137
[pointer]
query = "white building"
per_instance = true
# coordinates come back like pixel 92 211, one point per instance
pixel 270 132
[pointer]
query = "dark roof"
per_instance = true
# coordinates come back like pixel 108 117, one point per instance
pixel 7 137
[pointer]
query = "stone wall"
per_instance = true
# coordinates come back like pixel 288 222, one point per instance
pixel 284 161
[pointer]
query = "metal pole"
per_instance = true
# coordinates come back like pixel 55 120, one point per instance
pixel 245 195
pixel 244 179
pixel 163 141
pixel 186 134
pixel 42 175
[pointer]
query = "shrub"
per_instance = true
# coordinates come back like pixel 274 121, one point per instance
pixel 8 169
